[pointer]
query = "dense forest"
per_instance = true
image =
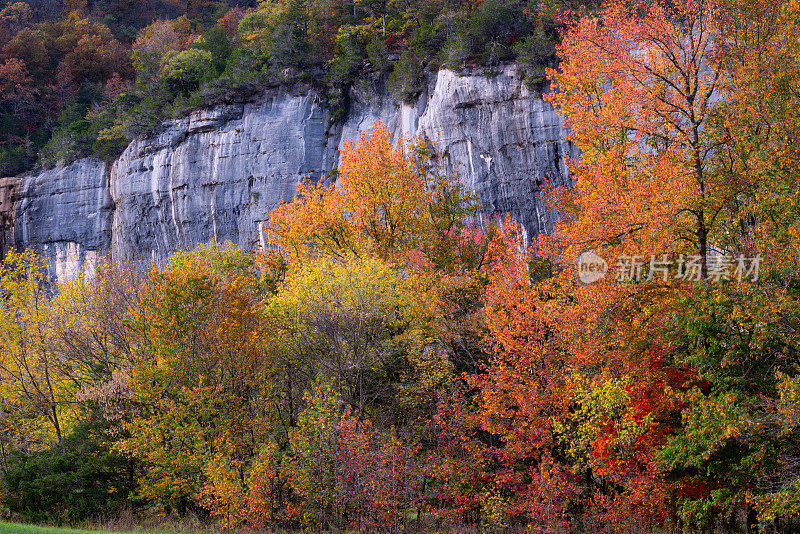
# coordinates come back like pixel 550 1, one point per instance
pixel 387 363
pixel 86 77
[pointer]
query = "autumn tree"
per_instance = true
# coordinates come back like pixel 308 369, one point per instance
pixel 760 53
pixel 357 318
pixel 389 200
pixel 731 425
pixel 659 101
pixel 152 45
pixel 523 394
pixel 382 293
pixel 93 328
pixel 640 85
pixel 15 15
pixel 19 98
pixel 197 381
pixel 347 472
pixel 36 387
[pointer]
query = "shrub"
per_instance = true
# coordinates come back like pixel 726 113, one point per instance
pixel 74 481
pixel 347 473
pixel 406 82
pixel 426 40
pixel 342 70
pixel 486 36
pixel 492 28
pixel 146 114
pixel 12 159
pixel 535 53
pixel 377 54
pixel 184 71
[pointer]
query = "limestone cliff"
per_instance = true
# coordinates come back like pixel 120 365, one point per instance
pixel 216 174
pixel 65 215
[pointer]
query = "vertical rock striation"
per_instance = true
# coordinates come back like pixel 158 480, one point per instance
pixel 216 174
pixel 65 215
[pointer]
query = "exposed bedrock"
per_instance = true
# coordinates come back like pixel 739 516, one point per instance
pixel 217 173
pixel 65 215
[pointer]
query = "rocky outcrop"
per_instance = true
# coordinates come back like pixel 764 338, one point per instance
pixel 65 215
pixel 216 174
pixel 9 189
pixel 504 141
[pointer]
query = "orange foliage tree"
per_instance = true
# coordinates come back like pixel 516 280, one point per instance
pixel 675 150
pixel 574 393
pixel 640 85
pixel 388 201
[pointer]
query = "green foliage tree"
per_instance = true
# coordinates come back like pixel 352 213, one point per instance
pixel 217 43
pixel 184 71
pixel 742 343
pixel 407 80
pixel 76 480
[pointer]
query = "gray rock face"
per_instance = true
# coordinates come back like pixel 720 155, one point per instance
pixel 9 190
pixel 503 141
pixel 65 215
pixel 215 175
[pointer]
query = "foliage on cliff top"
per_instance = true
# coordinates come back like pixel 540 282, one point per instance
pixel 85 78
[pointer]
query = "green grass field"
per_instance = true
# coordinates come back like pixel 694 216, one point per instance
pixel 17 528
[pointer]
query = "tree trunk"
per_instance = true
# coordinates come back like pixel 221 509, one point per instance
pixel 702 245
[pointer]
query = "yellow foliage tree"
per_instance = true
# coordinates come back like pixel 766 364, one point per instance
pixel 36 385
pixel 355 317
pixel 388 200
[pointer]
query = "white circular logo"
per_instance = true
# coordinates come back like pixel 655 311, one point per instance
pixel 591 267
